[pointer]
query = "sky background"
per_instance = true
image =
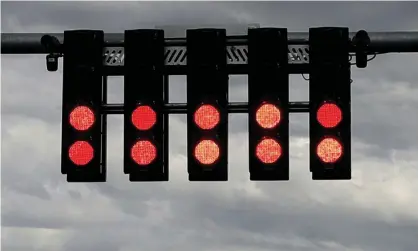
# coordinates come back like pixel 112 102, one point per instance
pixel 376 211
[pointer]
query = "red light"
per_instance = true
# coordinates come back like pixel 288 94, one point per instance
pixel 143 152
pixel 206 152
pixel 80 153
pixel 144 117
pixel 81 118
pixel 268 116
pixel 329 150
pixel 329 115
pixel 206 117
pixel 268 151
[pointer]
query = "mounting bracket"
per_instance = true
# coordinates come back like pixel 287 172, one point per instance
pixel 361 42
pixel 52 47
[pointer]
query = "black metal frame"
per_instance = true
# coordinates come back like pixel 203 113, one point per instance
pixel 380 42
pixel 181 108
pixel 361 43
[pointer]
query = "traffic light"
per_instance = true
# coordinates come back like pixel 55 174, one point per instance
pixel 207 100
pixel 144 146
pixel 83 125
pixel 330 107
pixel 268 100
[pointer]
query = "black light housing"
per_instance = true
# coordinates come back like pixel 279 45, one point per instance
pixel 144 145
pixel 330 103
pixel 268 99
pixel 83 125
pixel 207 89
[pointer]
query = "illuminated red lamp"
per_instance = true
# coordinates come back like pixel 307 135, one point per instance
pixel 268 150
pixel 268 116
pixel 207 152
pixel 207 117
pixel 81 153
pixel 82 118
pixel 329 115
pixel 143 152
pixel 144 117
pixel 329 150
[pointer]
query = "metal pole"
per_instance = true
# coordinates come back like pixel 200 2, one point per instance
pixel 181 108
pixel 381 42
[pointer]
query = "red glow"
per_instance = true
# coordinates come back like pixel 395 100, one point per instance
pixel 268 116
pixel 329 150
pixel 268 151
pixel 143 152
pixel 206 117
pixel 80 153
pixel 206 152
pixel 329 115
pixel 81 118
pixel 144 117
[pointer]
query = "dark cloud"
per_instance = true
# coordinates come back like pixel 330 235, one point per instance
pixel 301 15
pixel 377 210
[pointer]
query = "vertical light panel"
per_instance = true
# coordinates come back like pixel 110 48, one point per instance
pixel 330 103
pixel 207 100
pixel 144 145
pixel 268 100
pixel 82 120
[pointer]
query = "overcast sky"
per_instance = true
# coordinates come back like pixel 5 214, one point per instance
pixel 376 211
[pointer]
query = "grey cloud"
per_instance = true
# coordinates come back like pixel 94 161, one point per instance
pixel 28 188
pixel 31 90
pixel 383 115
pixel 360 15
pixel 87 242
pixel 293 15
pixel 16 219
pixel 317 225
pixel 99 15
pixel 19 248
pixel 75 195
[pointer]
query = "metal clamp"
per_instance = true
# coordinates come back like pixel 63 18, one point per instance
pixel 361 42
pixel 53 47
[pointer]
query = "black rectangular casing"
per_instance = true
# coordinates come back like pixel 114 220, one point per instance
pixel 207 82
pixel 83 85
pixel 268 81
pixel 330 80
pixel 143 85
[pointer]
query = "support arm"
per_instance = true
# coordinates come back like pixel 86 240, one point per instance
pixel 380 42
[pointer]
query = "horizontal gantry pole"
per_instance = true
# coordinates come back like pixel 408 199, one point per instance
pixel 181 108
pixel 380 42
